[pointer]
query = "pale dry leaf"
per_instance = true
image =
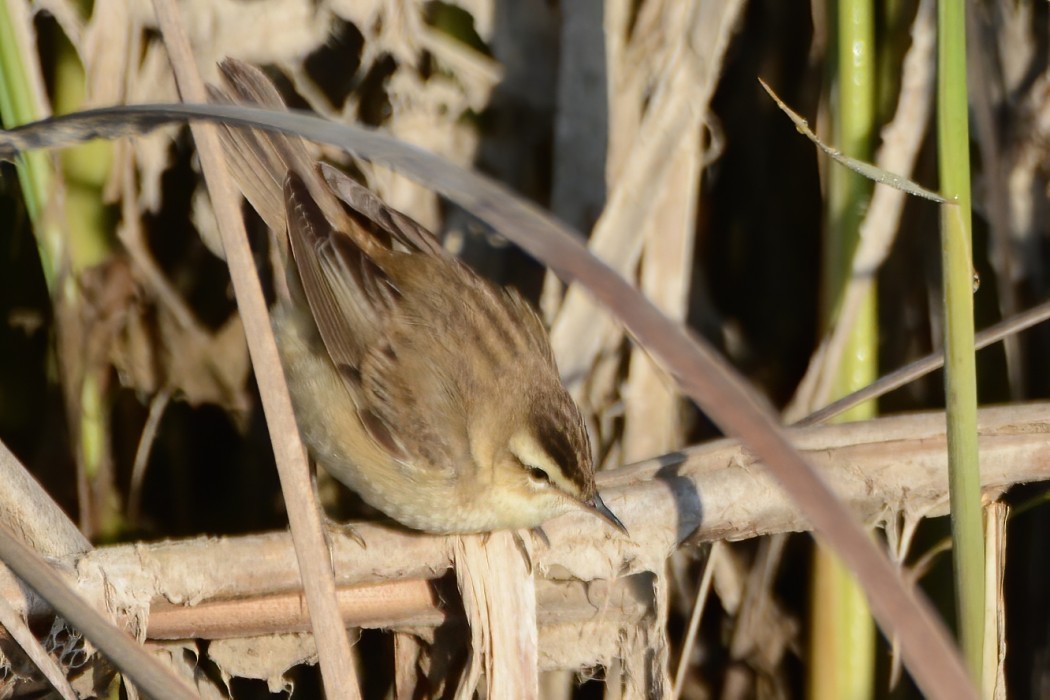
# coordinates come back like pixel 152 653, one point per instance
pixel 202 216
pixel 105 53
pixel 182 658
pixel 392 27
pixel 209 368
pixel 427 114
pixel 994 672
pixel 279 30
pixel 476 75
pixel 67 15
pixel 364 14
pixel 264 658
pixel 483 12
pixel 494 574
pixel 677 107
pixel 652 423
pixel 407 654
pixel 151 81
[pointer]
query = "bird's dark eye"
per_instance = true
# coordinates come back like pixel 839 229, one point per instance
pixel 539 476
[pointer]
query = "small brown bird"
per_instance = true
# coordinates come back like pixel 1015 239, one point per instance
pixel 426 389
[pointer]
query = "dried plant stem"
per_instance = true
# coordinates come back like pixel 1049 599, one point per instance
pixel 994 674
pixel 924 365
pixel 499 597
pixel 338 670
pixel 694 620
pixel 881 467
pixel 122 650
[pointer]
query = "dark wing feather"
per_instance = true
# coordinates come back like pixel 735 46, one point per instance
pixel 280 153
pixel 265 158
pixel 311 239
pixel 351 299
pixel 393 223
pixel 258 171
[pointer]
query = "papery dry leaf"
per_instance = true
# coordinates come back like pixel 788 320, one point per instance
pixel 264 658
pixel 206 369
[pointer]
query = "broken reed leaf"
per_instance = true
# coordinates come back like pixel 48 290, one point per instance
pixel 484 198
pixel 872 172
pixel 488 200
pixel 110 123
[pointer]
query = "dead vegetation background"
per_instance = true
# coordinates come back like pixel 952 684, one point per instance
pixel 642 123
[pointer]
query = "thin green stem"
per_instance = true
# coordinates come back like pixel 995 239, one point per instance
pixel 35 169
pixel 960 374
pixel 73 232
pixel 843 631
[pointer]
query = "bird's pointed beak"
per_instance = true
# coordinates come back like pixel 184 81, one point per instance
pixel 597 507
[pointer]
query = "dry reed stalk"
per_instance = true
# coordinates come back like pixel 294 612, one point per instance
pixel 494 573
pixel 304 511
pixel 886 469
pixel 994 674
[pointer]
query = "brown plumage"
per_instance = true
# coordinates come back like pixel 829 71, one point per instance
pixel 431 392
